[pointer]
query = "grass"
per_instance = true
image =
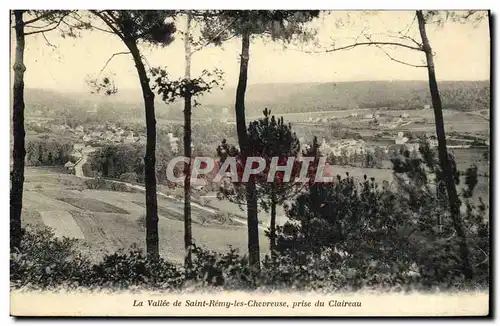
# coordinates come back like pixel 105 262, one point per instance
pixel 93 205
pixel 108 219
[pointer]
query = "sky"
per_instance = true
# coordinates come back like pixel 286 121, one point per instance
pixel 462 52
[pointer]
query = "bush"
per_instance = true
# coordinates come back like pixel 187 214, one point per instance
pixel 129 177
pixel 213 269
pixel 48 262
pixel 386 237
pixel 102 184
pixel 45 261
pixel 122 270
pixel 87 171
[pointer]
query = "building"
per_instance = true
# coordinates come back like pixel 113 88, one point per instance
pixel 400 139
pixel 427 106
pixel 78 146
pixel 70 166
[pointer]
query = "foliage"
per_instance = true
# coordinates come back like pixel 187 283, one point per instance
pixel 47 152
pixel 283 25
pixel 171 90
pixel 228 269
pixel 123 270
pixel 105 84
pixel 45 261
pixel 101 184
pixel 127 161
pixel 391 235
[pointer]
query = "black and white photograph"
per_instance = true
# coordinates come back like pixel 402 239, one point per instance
pixel 225 163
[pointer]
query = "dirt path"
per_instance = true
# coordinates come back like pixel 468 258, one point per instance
pixel 63 224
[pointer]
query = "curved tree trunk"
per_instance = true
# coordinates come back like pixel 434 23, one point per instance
pixel 251 196
pixel 152 246
pixel 18 152
pixel 443 152
pixel 187 146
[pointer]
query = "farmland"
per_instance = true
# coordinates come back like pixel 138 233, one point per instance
pixel 105 221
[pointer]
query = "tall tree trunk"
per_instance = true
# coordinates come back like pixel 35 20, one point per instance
pixel 272 231
pixel 251 196
pixel 152 246
pixel 442 149
pixel 18 152
pixel 187 145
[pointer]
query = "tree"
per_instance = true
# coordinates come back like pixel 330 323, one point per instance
pixel 272 139
pixel 284 25
pixel 134 27
pixel 52 20
pixel 446 165
pixel 403 40
pixel 189 89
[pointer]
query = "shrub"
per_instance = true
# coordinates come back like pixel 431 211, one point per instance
pixel 87 170
pixel 387 237
pixel 46 261
pixel 129 177
pixel 213 269
pixel 122 270
pixel 102 184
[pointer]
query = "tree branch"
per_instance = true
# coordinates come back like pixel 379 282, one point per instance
pixel 48 29
pixel 213 38
pixel 111 58
pixel 399 61
pixel 34 20
pixel 78 19
pixel 369 43
pixel 108 22
pixel 47 41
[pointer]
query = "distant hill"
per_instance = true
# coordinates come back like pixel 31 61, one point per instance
pixel 282 98
pixel 303 97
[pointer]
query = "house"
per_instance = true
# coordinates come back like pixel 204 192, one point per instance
pixel 400 139
pixel 78 146
pixel 368 116
pixel 86 138
pixel 79 129
pixel 69 166
pixel 76 155
pixel 88 150
pixel 427 106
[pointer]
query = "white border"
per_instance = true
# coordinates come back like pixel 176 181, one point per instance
pixel 290 4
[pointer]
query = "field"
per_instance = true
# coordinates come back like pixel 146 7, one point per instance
pixel 105 221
